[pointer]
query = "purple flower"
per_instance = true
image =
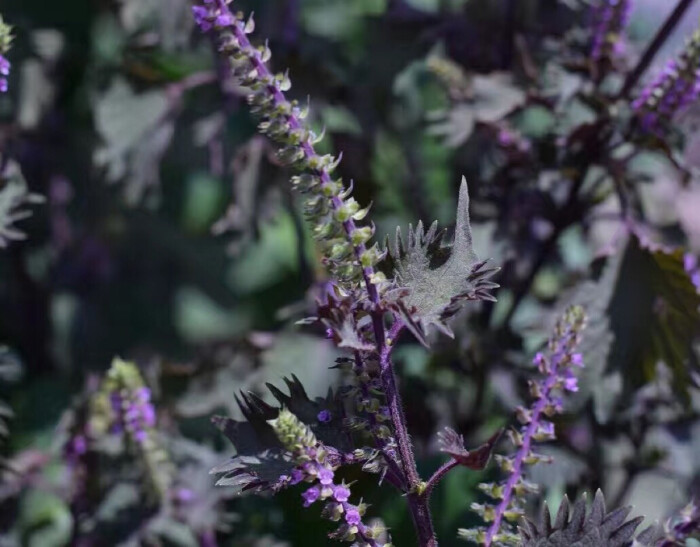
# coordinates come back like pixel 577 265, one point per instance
pixel 324 416
pixel 297 476
pixel 571 383
pixel 547 428
pixel 311 495
pixel 555 365
pixel 224 20
pixel 675 88
pixel 325 476
pixel 341 493
pixel 695 279
pixel 610 18
pixel 202 17
pixel 352 517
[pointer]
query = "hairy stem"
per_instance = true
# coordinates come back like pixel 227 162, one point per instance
pixel 653 48
pixel 443 470
pixel 417 502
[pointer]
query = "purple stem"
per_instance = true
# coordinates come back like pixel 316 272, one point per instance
pixel 417 503
pixel 443 470
pixel 523 451
pixel 658 41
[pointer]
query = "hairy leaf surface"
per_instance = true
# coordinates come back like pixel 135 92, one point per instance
pixel 432 280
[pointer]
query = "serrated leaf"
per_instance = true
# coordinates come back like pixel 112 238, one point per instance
pixel 452 443
pixel 598 528
pixel 654 316
pixel 432 280
pixel 261 463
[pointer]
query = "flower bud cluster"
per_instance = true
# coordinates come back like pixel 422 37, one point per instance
pixel 556 365
pixel 315 467
pixel 123 407
pixel 130 408
pixel 610 19
pixel 675 88
pixel 328 205
pixel 5 42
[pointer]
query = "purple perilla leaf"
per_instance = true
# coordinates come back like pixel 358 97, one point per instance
pixel 597 527
pixel 261 463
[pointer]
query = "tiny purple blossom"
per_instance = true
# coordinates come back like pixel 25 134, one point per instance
pixel 4 66
pixel 341 493
pixel 325 476
pixel 560 357
pixel 311 495
pixel 571 383
pixel 201 17
pixel 297 476
pixel 224 20
pixel 577 359
pixel 695 279
pixel 352 517
pixel 324 416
